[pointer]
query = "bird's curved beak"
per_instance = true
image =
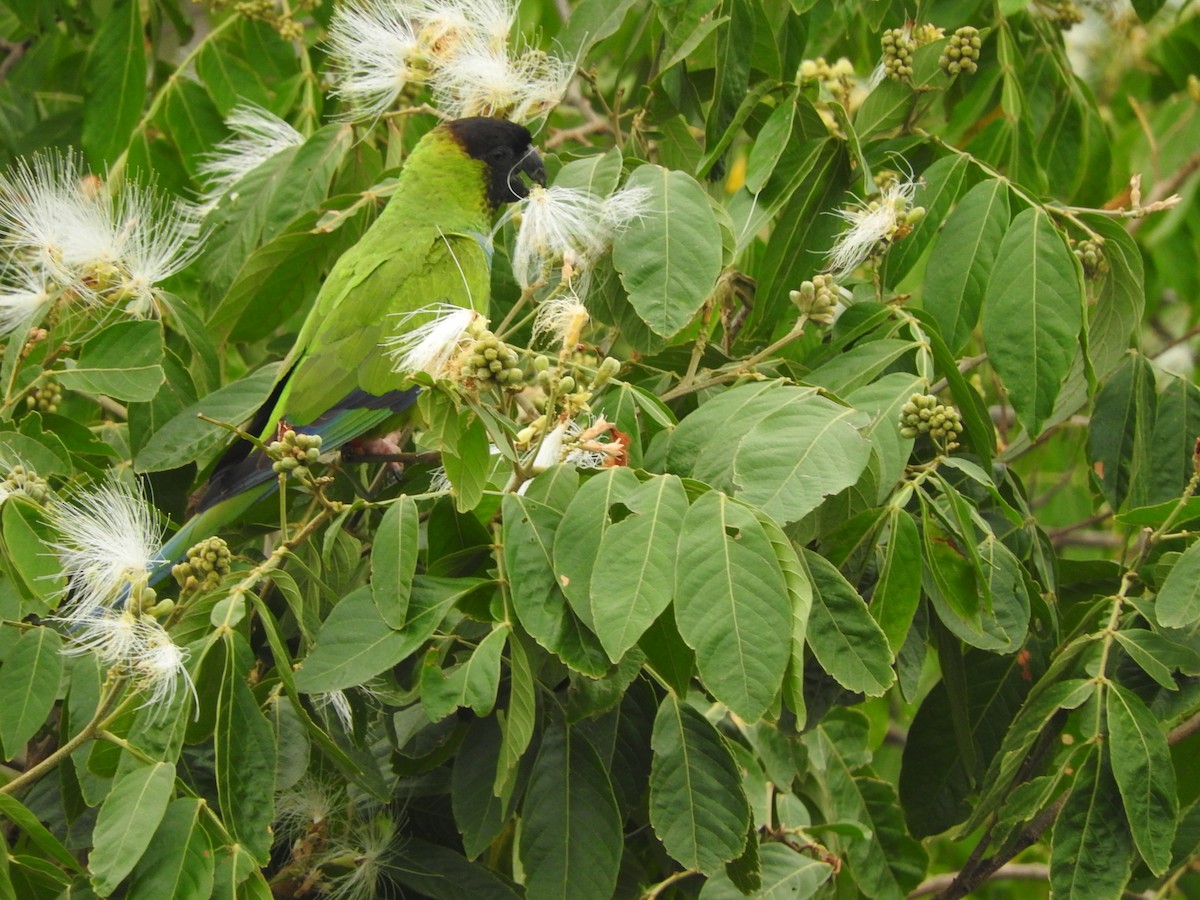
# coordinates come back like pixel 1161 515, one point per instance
pixel 532 165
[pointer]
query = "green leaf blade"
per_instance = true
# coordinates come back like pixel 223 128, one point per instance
pixel 732 604
pixel 127 822
pixel 1032 314
pixel 697 806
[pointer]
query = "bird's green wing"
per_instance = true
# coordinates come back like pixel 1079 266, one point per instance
pixel 344 351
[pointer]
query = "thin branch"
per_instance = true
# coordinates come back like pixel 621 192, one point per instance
pixel 1184 730
pixel 1008 872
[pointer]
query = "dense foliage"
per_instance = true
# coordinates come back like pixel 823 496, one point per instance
pixel 842 543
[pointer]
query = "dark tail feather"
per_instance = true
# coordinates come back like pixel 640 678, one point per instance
pixel 245 474
pixel 356 414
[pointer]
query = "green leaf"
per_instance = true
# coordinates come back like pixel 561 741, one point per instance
pixel 1145 775
pixel 1032 314
pixel 26 537
pixel 786 875
pixel 244 751
pixel 898 590
pixel 116 84
pixel 268 199
pixel 1159 656
pixel 394 560
pixel 778 447
pixel 571 841
pixel 1091 849
pixel 960 265
pixel 670 257
pixel 185 438
pixel 517 726
pixel 591 21
pixel 879 869
pixel 1120 432
pixel 467 463
pixel 20 816
pixel 843 637
pixel 127 822
pixel 633 579
pixel 124 361
pixel 576 541
pixel 768 146
pixel 938 190
pixel 473 684
pixel 179 861
pixel 355 644
pixel 1178 603
pixel 1176 424
pixel 1039 710
pixel 479 814
pixel 29 680
pixel 438 872
pixel 732 604
pixel 800 593
pixel 537 595
pixel 279 278
pixel 697 806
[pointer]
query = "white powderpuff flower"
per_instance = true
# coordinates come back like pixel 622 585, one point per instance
pixel 110 634
pixel 101 244
pixel 447 24
pixel 109 541
pixel 157 664
pixel 157 237
pixel 307 804
pixel 561 320
pixel 575 444
pixel 431 346
pixel 258 135
pixel 439 480
pixel 368 856
pixel 138 646
pixel 485 80
pixel 51 210
pixel 873 224
pixel 339 704
pixel 23 292
pixel 374 53
pixel 566 228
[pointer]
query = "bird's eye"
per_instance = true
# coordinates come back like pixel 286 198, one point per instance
pixel 498 155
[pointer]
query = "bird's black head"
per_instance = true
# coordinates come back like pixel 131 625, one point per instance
pixel 507 150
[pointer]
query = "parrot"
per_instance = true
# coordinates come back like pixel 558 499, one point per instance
pixel 430 244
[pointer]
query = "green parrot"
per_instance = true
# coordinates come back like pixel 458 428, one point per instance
pixel 431 244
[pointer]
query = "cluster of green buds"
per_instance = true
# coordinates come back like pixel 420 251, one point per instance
pixel 491 361
pixel 962 52
pixel 837 77
pixel 571 381
pixel 282 18
pixel 899 45
pixel 1091 256
pixel 20 480
pixel 45 398
pixel 1063 13
pixel 898 50
pixel 923 414
pixel 207 563
pixel 294 452
pixel 817 299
